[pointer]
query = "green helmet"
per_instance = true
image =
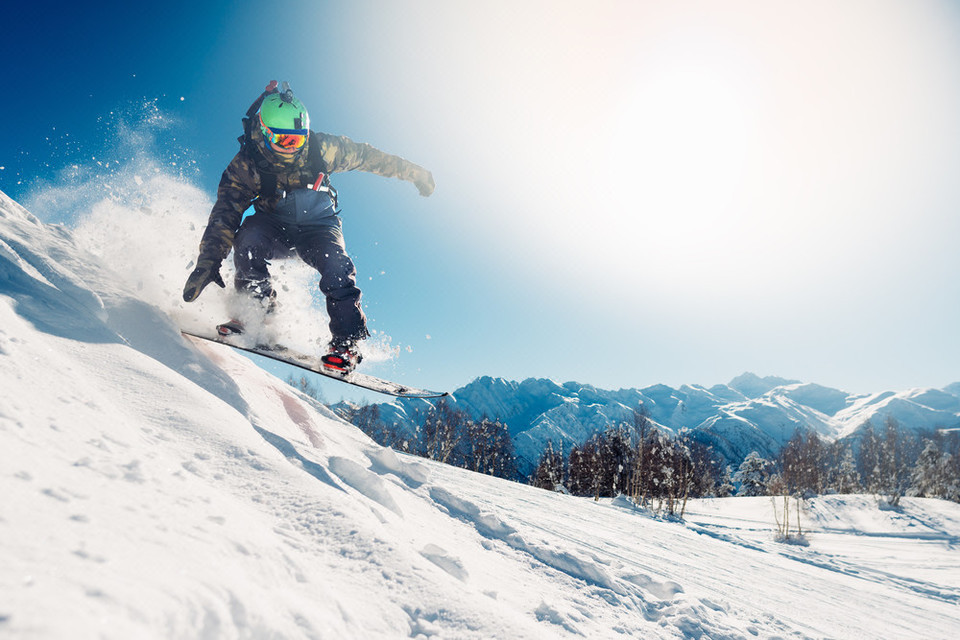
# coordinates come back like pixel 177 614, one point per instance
pixel 284 121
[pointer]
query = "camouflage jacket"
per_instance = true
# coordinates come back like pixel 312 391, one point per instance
pixel 240 183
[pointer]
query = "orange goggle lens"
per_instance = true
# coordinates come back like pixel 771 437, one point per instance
pixel 287 140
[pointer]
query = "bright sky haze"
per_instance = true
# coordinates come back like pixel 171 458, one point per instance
pixel 628 193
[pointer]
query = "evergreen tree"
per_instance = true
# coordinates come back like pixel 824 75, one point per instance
pixel 930 475
pixel 616 461
pixel 584 475
pixel 847 478
pixel 725 487
pixel 752 475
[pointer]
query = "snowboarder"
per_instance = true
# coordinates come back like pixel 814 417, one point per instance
pixel 283 169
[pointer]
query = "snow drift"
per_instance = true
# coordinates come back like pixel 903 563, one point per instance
pixel 157 488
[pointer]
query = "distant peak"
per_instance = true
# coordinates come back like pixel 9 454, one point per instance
pixel 753 386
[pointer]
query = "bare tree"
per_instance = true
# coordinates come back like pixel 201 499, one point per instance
pixel 549 472
pixel 584 470
pixel 802 463
pixel 868 462
pixel 441 432
pixel 307 387
pixel 708 470
pixel 641 429
pixel 490 448
pixel 682 474
pixel 845 478
pixel 894 474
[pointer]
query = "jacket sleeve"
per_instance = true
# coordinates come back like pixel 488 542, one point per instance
pixel 340 153
pixel 237 191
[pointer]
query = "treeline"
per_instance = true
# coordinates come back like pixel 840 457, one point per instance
pixel 639 461
pixel 892 462
pixel 445 434
pixel 662 471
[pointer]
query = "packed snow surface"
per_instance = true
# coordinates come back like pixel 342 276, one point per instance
pixel 154 487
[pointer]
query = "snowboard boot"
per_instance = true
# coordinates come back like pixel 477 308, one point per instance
pixel 230 328
pixel 342 357
pixel 234 327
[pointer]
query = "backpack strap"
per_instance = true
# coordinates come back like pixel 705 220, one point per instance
pixel 268 178
pixel 317 169
pixel 244 140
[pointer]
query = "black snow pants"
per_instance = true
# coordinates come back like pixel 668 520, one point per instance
pixel 305 223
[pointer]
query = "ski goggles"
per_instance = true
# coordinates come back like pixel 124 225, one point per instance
pixel 289 139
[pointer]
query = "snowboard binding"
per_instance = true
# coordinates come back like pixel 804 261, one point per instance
pixel 342 359
pixel 230 328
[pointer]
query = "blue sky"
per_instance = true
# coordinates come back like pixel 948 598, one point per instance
pixel 628 193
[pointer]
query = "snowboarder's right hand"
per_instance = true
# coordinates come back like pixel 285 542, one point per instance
pixel 207 271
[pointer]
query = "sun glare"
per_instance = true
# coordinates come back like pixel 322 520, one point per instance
pixel 682 151
pixel 661 148
pixel 684 142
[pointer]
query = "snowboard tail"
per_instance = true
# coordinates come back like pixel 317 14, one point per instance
pixel 315 365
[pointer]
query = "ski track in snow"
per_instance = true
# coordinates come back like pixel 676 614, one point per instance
pixel 158 487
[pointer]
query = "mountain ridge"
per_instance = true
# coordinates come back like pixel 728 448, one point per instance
pixel 750 413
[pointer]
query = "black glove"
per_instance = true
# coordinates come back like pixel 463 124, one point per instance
pixel 423 181
pixel 207 271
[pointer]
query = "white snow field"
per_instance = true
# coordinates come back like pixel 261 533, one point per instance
pixel 153 487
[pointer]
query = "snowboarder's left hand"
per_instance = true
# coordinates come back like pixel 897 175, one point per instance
pixel 423 181
pixel 207 271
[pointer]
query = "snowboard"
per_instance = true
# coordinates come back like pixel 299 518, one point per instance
pixel 313 363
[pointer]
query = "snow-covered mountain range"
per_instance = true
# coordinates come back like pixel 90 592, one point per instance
pixel 750 413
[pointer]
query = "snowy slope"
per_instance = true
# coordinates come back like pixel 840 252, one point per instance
pixel 157 488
